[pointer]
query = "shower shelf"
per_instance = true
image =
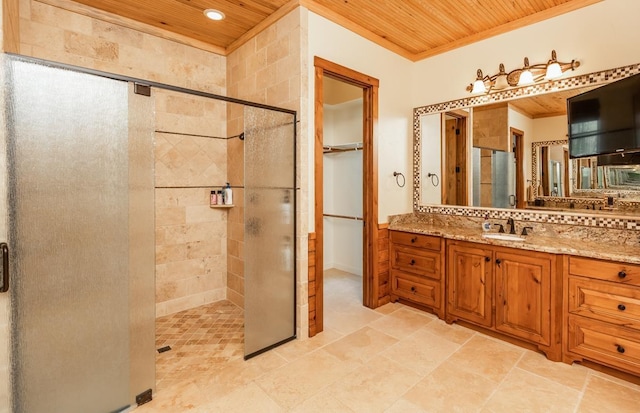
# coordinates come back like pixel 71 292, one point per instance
pixel 221 206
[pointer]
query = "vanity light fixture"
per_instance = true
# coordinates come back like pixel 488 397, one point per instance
pixel 214 14
pixel 526 77
pixel 528 74
pixel 478 85
pixel 554 70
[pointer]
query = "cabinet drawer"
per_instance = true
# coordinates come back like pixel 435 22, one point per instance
pixel 605 270
pixel 416 261
pixel 614 303
pixel 605 343
pixel 416 289
pixel 415 240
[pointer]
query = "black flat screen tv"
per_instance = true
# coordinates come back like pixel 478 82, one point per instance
pixel 605 120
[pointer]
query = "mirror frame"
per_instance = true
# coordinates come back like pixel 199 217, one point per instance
pixel 534 161
pixel 590 79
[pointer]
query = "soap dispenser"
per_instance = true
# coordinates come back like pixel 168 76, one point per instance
pixel 228 195
pixel 486 225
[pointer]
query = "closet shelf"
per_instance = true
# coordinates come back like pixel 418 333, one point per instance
pixel 347 147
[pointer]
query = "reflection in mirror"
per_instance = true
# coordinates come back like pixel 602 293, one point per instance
pixel 588 176
pixel 586 183
pixel 499 162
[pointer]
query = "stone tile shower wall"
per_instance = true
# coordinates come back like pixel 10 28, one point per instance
pixel 235 239
pixel 56 34
pixel 270 69
pixel 191 237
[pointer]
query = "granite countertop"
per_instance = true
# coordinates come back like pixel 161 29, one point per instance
pixel 580 247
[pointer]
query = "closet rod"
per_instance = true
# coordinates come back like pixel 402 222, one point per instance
pixel 343 216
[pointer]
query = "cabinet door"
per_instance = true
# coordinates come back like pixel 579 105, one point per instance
pixel 470 282
pixel 523 295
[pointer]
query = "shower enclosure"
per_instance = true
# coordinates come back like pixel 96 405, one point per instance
pixel 270 230
pixel 80 200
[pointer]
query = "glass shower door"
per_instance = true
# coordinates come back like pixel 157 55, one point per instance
pixel 269 236
pixel 69 233
pixel 503 178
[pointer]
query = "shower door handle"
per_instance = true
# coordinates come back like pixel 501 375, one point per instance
pixel 4 275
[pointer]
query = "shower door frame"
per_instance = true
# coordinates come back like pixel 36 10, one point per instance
pixel 137 82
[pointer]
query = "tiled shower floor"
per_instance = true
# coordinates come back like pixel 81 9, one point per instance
pixel 201 339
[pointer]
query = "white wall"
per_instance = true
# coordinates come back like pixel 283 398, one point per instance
pixel 394 131
pixel 525 124
pixel 431 160
pixel 549 129
pixel 344 122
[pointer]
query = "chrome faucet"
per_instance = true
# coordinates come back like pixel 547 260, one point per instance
pixel 512 224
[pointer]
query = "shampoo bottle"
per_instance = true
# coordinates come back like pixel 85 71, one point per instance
pixel 228 195
pixel 486 225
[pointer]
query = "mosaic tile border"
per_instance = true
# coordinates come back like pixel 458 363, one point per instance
pixel 595 78
pixel 574 218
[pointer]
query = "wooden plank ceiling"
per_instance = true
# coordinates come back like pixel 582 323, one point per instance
pixel 545 105
pixel 415 29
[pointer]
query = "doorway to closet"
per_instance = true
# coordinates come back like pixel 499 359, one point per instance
pixel 342 193
pixel 345 181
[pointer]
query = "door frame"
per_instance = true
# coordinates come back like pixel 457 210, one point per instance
pixel 370 270
pixel 518 148
pixel 462 157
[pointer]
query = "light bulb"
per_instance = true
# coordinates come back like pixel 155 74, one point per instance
pixel 553 71
pixel 526 77
pixel 478 85
pixel 553 67
pixel 214 14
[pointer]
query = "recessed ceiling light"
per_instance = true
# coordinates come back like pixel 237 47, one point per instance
pixel 214 14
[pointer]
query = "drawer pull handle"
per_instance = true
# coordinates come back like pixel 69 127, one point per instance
pixel 413 289
pixel 620 348
pixel 622 274
pixel 498 261
pixel 621 307
pixel 412 262
pixel 487 259
pixel 414 239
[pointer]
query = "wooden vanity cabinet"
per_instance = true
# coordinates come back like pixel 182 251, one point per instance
pixel 508 290
pixel 469 283
pixel 416 269
pixel 602 313
pixel 523 295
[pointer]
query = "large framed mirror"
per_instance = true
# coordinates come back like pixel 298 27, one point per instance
pixel 509 150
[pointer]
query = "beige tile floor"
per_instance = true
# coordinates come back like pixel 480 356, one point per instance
pixel 397 360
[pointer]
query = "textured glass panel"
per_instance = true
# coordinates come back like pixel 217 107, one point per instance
pixel 69 235
pixel 269 228
pixel 503 175
pixel 475 154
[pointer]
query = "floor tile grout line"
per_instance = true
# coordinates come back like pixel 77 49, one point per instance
pixel 582 393
pixel 495 390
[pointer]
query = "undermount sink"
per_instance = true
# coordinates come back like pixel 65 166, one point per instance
pixel 504 237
